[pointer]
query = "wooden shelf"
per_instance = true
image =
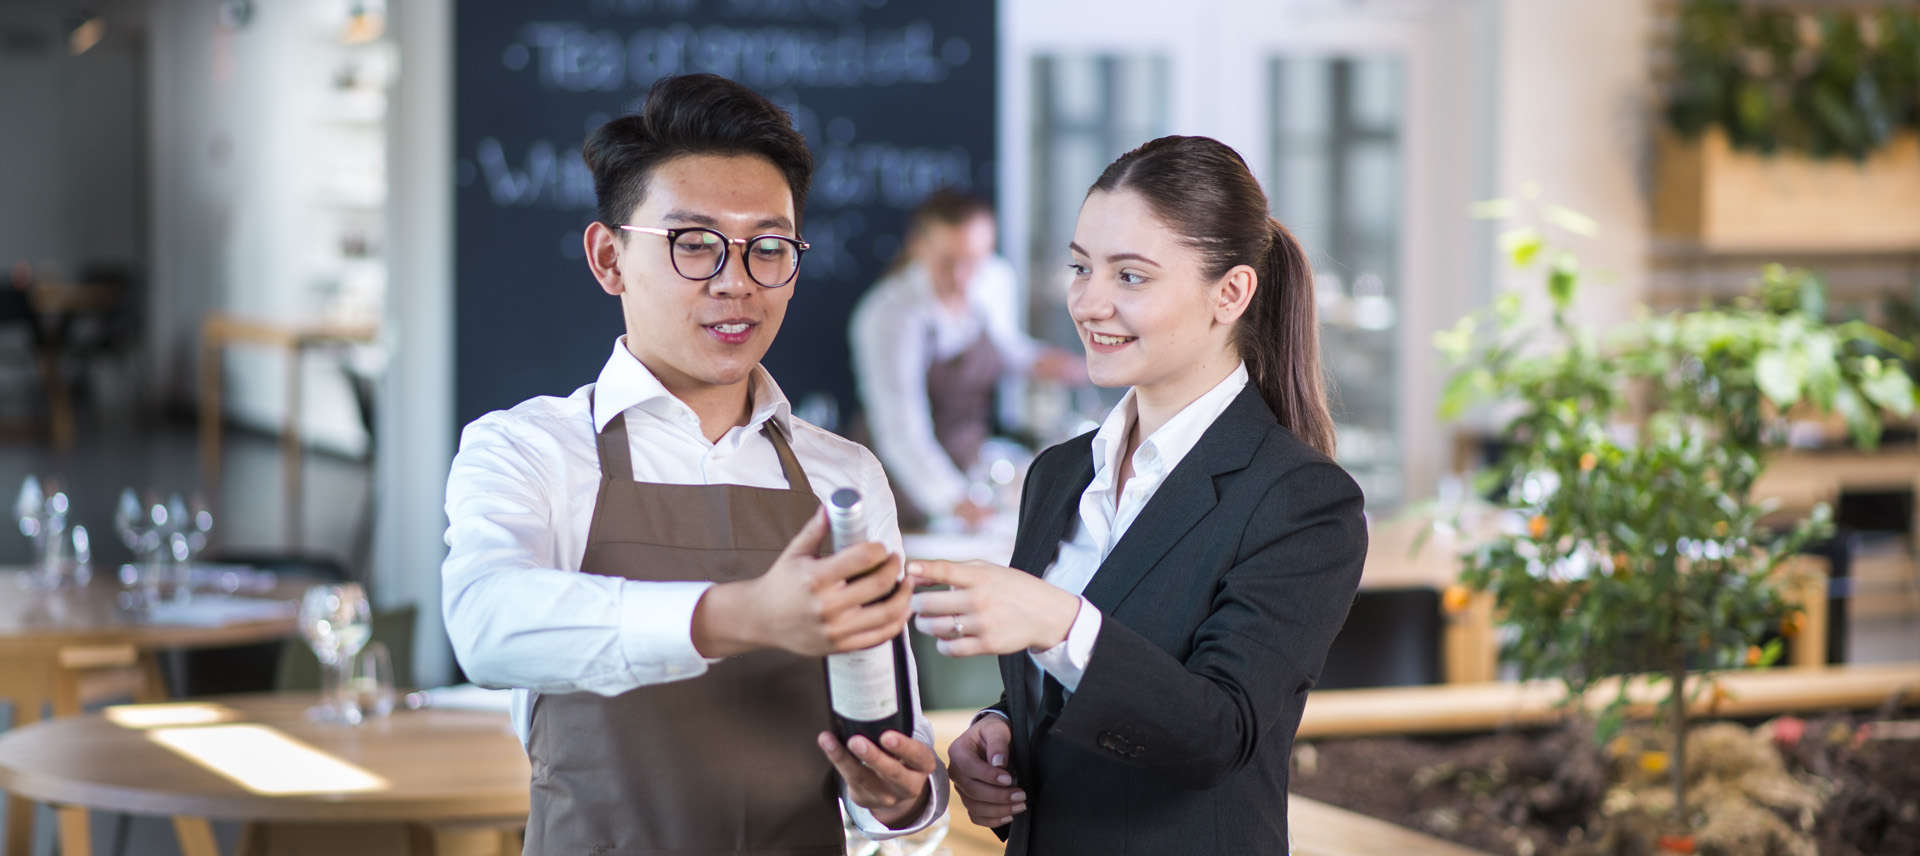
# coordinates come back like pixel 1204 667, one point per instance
pixel 1727 200
pixel 1483 707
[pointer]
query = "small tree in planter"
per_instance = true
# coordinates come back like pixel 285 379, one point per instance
pixel 1636 545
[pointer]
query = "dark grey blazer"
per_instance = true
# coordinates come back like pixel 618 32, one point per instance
pixel 1219 604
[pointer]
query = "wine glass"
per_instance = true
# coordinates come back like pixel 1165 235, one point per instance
pixel 336 621
pixel 133 522
pixel 178 537
pixel 199 524
pixel 27 507
pixel 42 516
pixel 82 556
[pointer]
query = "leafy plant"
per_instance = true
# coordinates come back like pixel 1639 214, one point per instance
pixel 1635 544
pixel 1824 82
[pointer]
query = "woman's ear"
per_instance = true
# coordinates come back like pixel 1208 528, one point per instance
pixel 1233 294
pixel 603 256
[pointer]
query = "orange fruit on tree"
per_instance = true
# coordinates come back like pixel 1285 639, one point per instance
pixel 1654 762
pixel 1455 599
pixel 1676 843
pixel 1753 655
pixel 1790 626
pixel 1537 526
pixel 1588 461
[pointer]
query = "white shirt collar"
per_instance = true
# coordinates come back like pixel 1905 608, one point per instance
pixel 1161 451
pixel 626 383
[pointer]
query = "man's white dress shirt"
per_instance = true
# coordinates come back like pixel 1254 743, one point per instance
pixel 521 495
pixel 899 330
pixel 1102 520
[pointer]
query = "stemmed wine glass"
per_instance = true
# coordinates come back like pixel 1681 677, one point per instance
pixel 133 522
pixel 184 534
pixel 336 621
pixel 42 517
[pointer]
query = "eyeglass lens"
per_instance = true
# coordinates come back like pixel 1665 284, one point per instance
pixel 699 253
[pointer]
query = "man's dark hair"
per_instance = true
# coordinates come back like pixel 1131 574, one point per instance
pixel 692 114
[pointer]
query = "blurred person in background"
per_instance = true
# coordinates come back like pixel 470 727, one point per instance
pixel 932 343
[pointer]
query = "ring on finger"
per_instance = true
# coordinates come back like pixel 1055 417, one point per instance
pixel 958 629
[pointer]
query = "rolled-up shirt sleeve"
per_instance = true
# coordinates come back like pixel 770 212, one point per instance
pixel 516 618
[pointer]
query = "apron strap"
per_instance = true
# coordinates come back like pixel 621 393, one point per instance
pixel 789 465
pixel 616 456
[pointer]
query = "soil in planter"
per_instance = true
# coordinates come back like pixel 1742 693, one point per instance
pixel 1531 793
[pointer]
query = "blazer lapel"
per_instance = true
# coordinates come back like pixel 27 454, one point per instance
pixel 1038 539
pixel 1183 499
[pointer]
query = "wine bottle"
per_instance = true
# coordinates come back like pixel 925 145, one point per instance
pixel 868 690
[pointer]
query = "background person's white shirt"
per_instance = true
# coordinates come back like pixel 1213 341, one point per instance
pixel 520 498
pixel 1102 521
pixel 900 329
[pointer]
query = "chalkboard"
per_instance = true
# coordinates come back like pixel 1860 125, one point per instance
pixel 894 97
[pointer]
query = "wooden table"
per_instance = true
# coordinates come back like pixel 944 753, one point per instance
pixel 61 647
pixel 419 782
pixel 217 332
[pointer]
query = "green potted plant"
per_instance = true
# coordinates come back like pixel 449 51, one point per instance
pixel 1839 81
pixel 1635 545
pixel 1790 127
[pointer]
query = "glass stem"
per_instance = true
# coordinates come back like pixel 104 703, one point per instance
pixel 333 685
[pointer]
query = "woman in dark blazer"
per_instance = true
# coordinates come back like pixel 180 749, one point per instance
pixel 1180 572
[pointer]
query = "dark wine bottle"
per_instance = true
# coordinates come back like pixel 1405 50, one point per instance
pixel 868 690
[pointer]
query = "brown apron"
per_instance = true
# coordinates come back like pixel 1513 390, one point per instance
pixel 724 763
pixel 960 405
pixel 960 399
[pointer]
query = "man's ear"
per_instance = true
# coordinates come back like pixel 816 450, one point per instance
pixel 603 256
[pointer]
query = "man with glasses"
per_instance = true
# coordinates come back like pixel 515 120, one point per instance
pixel 638 560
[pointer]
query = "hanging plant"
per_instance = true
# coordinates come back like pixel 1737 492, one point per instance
pixel 1823 82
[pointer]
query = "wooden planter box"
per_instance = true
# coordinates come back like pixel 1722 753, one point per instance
pixel 1721 200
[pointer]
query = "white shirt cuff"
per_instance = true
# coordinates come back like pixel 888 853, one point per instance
pixel 874 830
pixel 656 629
pixel 1067 661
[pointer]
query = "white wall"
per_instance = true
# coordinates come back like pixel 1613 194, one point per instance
pixel 1575 102
pixel 236 142
pixel 71 142
pixel 416 401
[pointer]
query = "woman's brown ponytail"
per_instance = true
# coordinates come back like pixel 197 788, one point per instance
pixel 1279 340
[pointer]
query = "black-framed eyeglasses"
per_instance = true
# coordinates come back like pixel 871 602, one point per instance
pixel 699 253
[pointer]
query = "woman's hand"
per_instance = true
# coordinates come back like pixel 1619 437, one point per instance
pixel 990 609
pixel 980 772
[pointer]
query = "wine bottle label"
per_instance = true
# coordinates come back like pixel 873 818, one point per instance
pixel 861 683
